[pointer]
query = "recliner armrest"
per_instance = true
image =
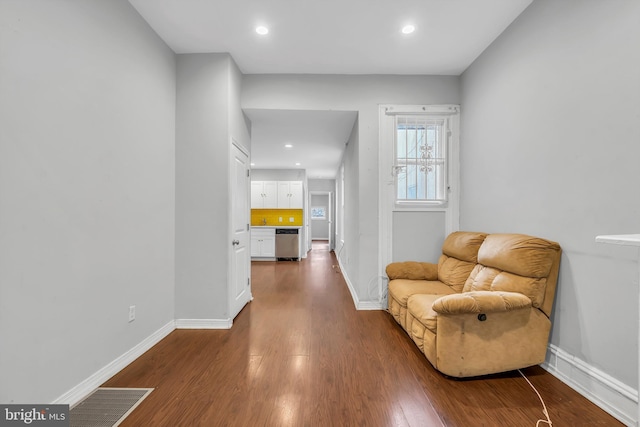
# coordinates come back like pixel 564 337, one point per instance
pixel 481 302
pixel 412 270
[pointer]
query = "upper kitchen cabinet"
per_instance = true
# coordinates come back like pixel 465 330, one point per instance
pixel 290 195
pixel 264 194
pixel 276 195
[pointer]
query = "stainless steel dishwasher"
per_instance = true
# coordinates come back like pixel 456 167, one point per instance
pixel 287 248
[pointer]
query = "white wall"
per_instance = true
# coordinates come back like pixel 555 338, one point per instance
pixel 278 175
pixel 348 245
pixel 550 147
pixel 418 236
pixel 208 115
pixel 239 123
pixel 87 122
pixel 201 185
pixel 362 94
pixel 322 185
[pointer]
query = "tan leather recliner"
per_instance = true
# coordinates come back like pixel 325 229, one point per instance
pixel 484 308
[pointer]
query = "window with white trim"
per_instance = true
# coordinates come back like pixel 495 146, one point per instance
pixel 420 159
pixel 411 137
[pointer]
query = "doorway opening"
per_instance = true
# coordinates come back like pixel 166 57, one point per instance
pixel 320 220
pixel 320 245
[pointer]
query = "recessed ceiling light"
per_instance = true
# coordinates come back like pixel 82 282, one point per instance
pixel 297 163
pixel 253 164
pixel 288 146
pixel 262 30
pixel 408 29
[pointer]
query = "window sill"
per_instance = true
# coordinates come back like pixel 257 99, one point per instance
pixel 420 206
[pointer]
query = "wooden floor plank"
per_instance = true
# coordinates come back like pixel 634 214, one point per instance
pixel 300 354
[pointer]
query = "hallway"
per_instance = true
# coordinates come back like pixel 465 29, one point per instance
pixel 300 355
pixel 320 245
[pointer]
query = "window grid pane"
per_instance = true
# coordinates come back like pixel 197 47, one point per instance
pixel 420 160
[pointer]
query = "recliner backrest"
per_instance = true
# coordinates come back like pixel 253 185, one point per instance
pixel 517 263
pixel 459 257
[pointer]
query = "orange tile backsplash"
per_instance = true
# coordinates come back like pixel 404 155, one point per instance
pixel 272 216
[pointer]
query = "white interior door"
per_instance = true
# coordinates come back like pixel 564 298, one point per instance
pixel 240 283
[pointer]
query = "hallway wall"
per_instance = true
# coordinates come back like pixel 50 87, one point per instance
pixel 87 191
pixel 208 116
pixel 551 125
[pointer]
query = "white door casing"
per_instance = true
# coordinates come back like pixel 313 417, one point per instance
pixel 240 239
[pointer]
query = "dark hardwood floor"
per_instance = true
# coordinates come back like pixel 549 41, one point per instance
pixel 300 355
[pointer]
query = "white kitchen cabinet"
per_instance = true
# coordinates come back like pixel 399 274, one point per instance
pixel 290 195
pixel 263 243
pixel 264 194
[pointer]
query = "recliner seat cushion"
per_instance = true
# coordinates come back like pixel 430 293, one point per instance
pixel 401 289
pixel 420 307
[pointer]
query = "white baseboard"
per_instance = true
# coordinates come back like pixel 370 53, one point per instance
pixel 204 323
pixel 369 305
pixel 79 392
pixel 354 295
pixel 614 397
pixel 360 305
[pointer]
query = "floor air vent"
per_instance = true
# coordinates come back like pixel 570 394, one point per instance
pixel 107 406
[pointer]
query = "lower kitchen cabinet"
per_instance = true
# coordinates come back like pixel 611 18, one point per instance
pixel 263 243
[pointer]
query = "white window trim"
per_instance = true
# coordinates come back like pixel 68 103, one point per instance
pixel 387 201
pixel 386 152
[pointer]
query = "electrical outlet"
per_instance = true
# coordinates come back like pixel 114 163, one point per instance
pixel 132 313
pixel 291 219
pixel 280 219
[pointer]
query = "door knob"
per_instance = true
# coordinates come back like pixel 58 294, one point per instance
pixel 235 242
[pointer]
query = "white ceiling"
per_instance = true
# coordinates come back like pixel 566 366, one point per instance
pixel 329 37
pixel 318 139
pixel 334 36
